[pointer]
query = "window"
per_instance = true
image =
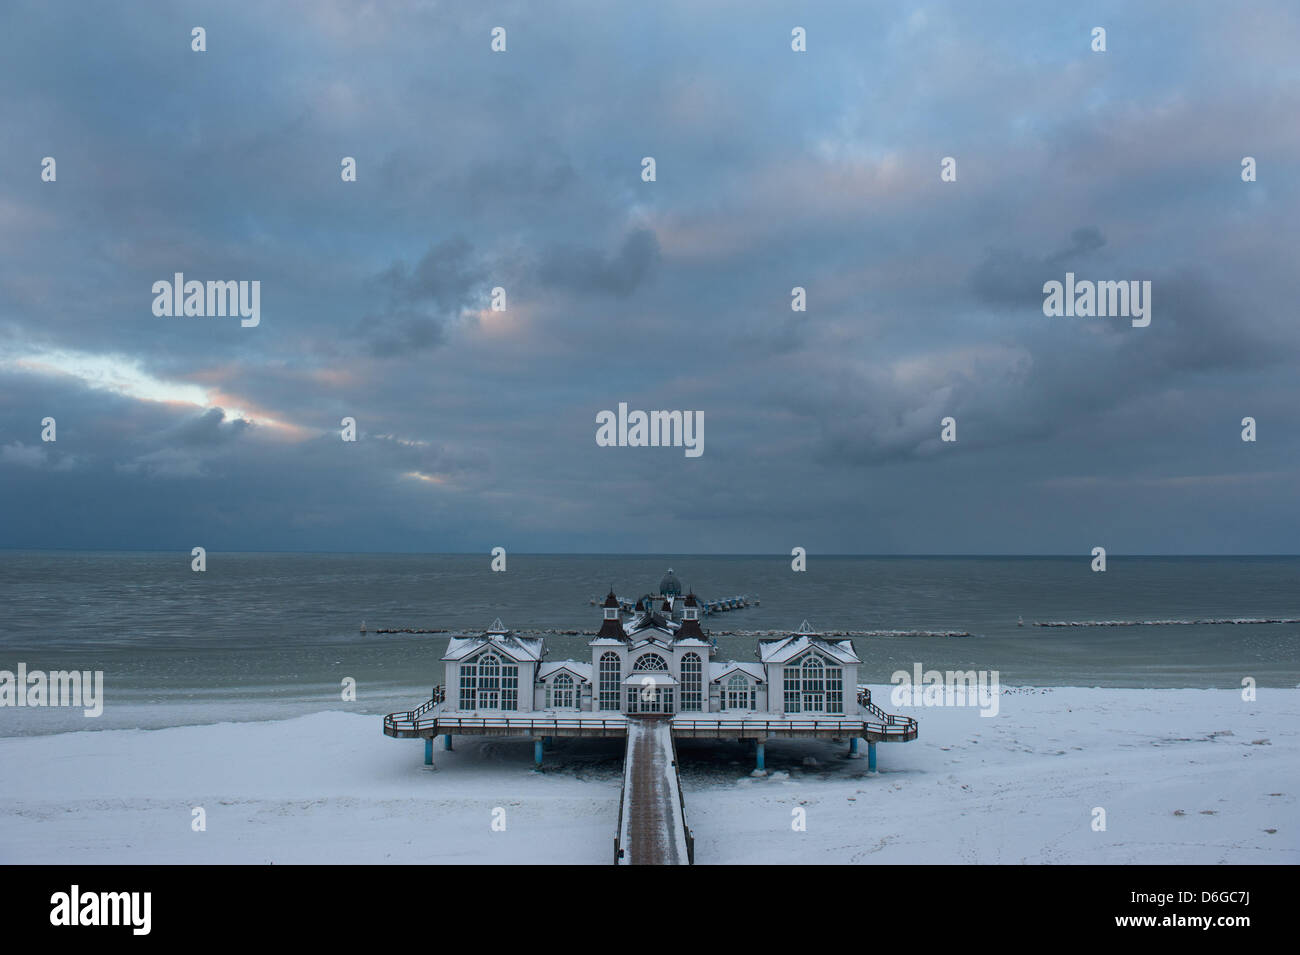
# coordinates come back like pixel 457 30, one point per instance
pixel 468 681
pixel 692 682
pixel 650 661
pixel 814 687
pixel 738 694
pixel 510 687
pixel 643 699
pixel 793 698
pixel 559 693
pixel 487 683
pixel 611 673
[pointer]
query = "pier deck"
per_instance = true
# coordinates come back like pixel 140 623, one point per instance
pixel 652 830
pixel 869 723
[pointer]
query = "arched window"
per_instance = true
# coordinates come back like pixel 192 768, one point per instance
pixel 611 673
pixel 692 682
pixel 813 687
pixel 488 683
pixel 650 661
pixel 559 693
pixel 738 693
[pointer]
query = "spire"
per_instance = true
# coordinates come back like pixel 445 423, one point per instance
pixel 612 625
pixel 690 618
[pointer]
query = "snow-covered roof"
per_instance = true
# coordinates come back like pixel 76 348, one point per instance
pixel 520 649
pixel 787 648
pixel 580 670
pixel 718 670
pixel 651 621
pixel 648 678
pixel 651 641
pixel 692 642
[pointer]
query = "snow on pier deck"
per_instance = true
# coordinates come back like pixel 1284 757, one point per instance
pixel 652 827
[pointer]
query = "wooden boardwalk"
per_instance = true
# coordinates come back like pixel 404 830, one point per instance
pixel 652 827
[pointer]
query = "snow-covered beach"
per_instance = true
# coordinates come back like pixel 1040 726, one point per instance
pixel 1183 776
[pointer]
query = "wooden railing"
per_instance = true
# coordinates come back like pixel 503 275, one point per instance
pixel 417 721
pixel 524 725
pixel 898 726
pixel 906 723
pixel 411 719
pixel 885 725
pixel 681 799
pixel 618 830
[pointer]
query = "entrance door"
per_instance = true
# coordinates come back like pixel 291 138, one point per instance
pixel 650 700
pixel 814 702
pixel 489 699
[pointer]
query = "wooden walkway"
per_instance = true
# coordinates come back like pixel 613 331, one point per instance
pixel 652 824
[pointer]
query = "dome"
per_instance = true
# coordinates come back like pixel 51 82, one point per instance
pixel 670 585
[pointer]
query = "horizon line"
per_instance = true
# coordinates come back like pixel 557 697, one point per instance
pixel 644 554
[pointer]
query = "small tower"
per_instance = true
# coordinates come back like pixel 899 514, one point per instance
pixel 690 618
pixel 612 625
pixel 670 586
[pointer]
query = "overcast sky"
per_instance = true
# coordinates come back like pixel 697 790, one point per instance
pixel 775 169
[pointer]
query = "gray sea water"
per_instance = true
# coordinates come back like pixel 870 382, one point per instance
pixel 265 635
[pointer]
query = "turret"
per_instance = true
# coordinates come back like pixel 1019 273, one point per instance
pixel 690 618
pixel 612 625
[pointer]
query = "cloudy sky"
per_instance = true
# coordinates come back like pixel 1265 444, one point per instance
pixel 775 169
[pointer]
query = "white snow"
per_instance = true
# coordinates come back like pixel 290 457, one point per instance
pixel 1184 776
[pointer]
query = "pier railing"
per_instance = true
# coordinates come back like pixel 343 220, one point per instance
pixel 906 724
pixel 418 720
pixel 618 829
pixel 422 719
pixel 411 720
pixel 524 725
pixel 894 726
pixel 681 803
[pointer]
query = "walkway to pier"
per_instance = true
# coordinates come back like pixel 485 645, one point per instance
pixel 652 827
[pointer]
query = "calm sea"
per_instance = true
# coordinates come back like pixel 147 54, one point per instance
pixel 260 635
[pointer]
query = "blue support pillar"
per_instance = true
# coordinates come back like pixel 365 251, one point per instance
pixel 446 742
pixel 537 753
pixel 428 751
pixel 853 746
pixel 871 756
pixel 758 754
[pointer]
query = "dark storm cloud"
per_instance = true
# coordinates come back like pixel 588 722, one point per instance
pixel 522 170
pixel 207 429
pixel 588 270
pixel 423 300
pixel 1015 279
